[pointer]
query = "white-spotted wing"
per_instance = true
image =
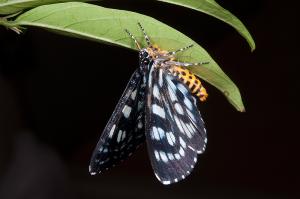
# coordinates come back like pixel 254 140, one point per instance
pixel 125 129
pixel 175 131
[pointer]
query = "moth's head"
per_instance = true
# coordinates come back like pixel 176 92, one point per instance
pixel 144 57
pixel 154 53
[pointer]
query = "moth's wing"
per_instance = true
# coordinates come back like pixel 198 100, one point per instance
pixel 124 131
pixel 175 131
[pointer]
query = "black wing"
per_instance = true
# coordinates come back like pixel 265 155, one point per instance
pixel 175 131
pixel 125 130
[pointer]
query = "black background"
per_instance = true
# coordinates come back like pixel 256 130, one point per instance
pixel 57 93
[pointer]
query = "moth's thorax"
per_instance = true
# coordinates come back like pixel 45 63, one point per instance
pixel 155 54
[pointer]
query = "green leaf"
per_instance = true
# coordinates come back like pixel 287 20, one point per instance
pixel 211 7
pixel 13 6
pixel 107 25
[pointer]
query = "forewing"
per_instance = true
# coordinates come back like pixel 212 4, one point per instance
pixel 175 131
pixel 124 131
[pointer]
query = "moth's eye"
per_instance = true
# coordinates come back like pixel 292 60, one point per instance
pixel 145 54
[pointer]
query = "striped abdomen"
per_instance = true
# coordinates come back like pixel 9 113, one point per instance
pixel 191 81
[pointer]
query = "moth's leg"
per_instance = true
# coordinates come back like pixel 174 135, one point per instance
pixel 185 64
pixel 180 50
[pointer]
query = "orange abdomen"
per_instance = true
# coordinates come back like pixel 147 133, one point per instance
pixel 191 81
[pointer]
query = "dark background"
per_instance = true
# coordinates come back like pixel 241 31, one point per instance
pixel 57 93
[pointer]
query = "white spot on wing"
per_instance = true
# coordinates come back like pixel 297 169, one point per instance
pixel 163 156
pixel 156 155
pixel 90 169
pixel 100 149
pixel 158 111
pixel 93 173
pixel 178 108
pixel 186 130
pixel 195 102
pixel 182 89
pixel 140 124
pixel 170 156
pixel 181 151
pixel 161 132
pixel 111 132
pixel 171 94
pixel 156 92
pixel 191 148
pixel 155 134
pixel 123 136
pixel 171 83
pixel 133 94
pixel 190 128
pixel 191 115
pixel 119 135
pixel 160 80
pixel 170 138
pixel 193 128
pixel 182 142
pixel 126 111
pixel 178 124
pixel 166 182
pixel 188 103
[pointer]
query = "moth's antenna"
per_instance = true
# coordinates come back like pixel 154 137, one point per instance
pixel 134 39
pixel 145 35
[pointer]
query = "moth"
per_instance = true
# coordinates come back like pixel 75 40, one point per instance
pixel 159 105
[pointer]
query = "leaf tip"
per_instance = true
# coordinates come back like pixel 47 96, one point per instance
pixel 236 102
pixel 251 42
pixel 253 47
pixel 242 109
